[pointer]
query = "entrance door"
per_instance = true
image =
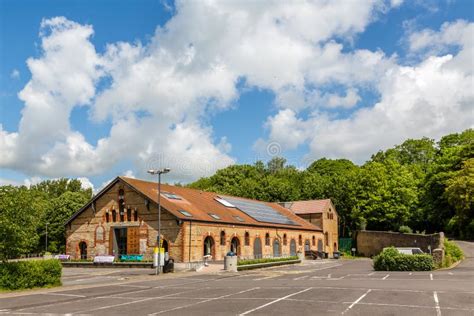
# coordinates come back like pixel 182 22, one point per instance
pixel 133 240
pixel 292 247
pixel 83 250
pixel 307 246
pixel 276 248
pixel 257 248
pixel 208 246
pixel 235 246
pixel 320 245
pixel 121 241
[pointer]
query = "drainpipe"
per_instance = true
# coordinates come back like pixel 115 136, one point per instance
pixel 190 227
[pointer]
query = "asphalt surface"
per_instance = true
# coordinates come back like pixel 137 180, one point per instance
pixel 348 287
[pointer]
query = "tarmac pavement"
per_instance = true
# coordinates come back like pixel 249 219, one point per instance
pixel 335 287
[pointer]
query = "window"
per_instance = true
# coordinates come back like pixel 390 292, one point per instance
pixel 247 239
pixel 214 216
pixel 172 196
pixel 222 238
pixel 326 236
pixel 284 240
pixel 240 219
pixel 300 240
pixel 107 216
pixel 314 241
pixel 223 202
pixel 267 239
pixel 185 213
pixel 129 214
pixel 99 234
pixel 121 194
pixel 135 215
pixel 114 216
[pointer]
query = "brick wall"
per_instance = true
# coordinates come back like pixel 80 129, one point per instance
pixel 93 229
pixel 370 243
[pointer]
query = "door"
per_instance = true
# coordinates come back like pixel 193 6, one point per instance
pixel 257 248
pixel 83 250
pixel 235 246
pixel 292 247
pixel 208 246
pixel 276 248
pixel 307 246
pixel 133 240
pixel 121 241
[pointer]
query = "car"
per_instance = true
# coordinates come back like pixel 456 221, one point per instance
pixel 409 250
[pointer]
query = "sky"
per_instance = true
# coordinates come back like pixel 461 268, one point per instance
pixel 96 89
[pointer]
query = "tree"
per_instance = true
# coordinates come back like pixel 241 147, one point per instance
pixel 18 221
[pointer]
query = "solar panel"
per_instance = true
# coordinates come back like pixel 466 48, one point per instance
pixel 260 211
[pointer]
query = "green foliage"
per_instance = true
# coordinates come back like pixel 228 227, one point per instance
pixel 391 260
pixel 24 213
pixel 453 253
pixel 405 229
pixel 264 260
pixel 30 274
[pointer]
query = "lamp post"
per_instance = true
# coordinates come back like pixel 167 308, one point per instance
pixel 159 172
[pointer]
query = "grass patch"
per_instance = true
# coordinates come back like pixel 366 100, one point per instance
pixel 264 260
pixel 452 253
pixel 30 274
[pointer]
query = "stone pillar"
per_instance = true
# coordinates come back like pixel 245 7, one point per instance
pixel 438 256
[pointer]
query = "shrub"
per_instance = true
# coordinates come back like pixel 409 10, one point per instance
pixel 405 229
pixel 452 253
pixel 391 260
pixel 30 274
pixel 264 260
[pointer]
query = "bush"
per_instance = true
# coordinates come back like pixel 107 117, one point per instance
pixel 405 229
pixel 30 274
pixel 391 260
pixel 452 253
pixel 264 260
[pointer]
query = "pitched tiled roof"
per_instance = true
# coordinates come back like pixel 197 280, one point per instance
pixel 200 203
pixel 308 207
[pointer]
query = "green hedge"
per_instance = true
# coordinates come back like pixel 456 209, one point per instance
pixel 264 260
pixel 452 253
pixel 391 260
pixel 29 274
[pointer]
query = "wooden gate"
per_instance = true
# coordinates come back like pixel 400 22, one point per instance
pixel 133 240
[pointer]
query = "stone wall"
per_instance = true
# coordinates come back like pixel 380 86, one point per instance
pixel 371 243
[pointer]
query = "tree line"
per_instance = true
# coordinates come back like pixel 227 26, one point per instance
pixel 425 185
pixel 26 211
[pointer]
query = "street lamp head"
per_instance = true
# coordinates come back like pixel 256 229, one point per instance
pixel 159 171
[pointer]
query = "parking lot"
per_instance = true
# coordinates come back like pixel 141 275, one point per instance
pixel 347 287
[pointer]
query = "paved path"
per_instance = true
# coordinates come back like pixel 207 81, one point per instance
pixel 348 287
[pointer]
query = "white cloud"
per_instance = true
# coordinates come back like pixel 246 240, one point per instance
pixel 86 183
pixel 15 74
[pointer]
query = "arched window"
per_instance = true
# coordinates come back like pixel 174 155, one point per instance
pixel 300 240
pixel 314 241
pixel 129 214
pixel 276 248
pixel 121 204
pixel 284 240
pixel 222 238
pixel 326 237
pixel 83 250
pixel 208 246
pixel 114 216
pixel 99 234
pixel 107 216
pixel 267 239
pixel 135 215
pixel 247 239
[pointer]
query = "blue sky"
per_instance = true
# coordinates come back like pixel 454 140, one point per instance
pixel 202 87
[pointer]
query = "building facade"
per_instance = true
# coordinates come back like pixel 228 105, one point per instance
pixel 123 219
pixel 320 213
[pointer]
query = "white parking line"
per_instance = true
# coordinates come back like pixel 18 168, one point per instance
pixel 267 277
pixel 357 301
pixel 385 277
pixel 371 274
pixel 450 273
pixel 205 301
pixel 63 294
pixel 301 278
pixel 438 309
pixel 274 301
pixel 431 276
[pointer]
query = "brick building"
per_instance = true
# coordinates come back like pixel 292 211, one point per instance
pixel 123 219
pixel 320 213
